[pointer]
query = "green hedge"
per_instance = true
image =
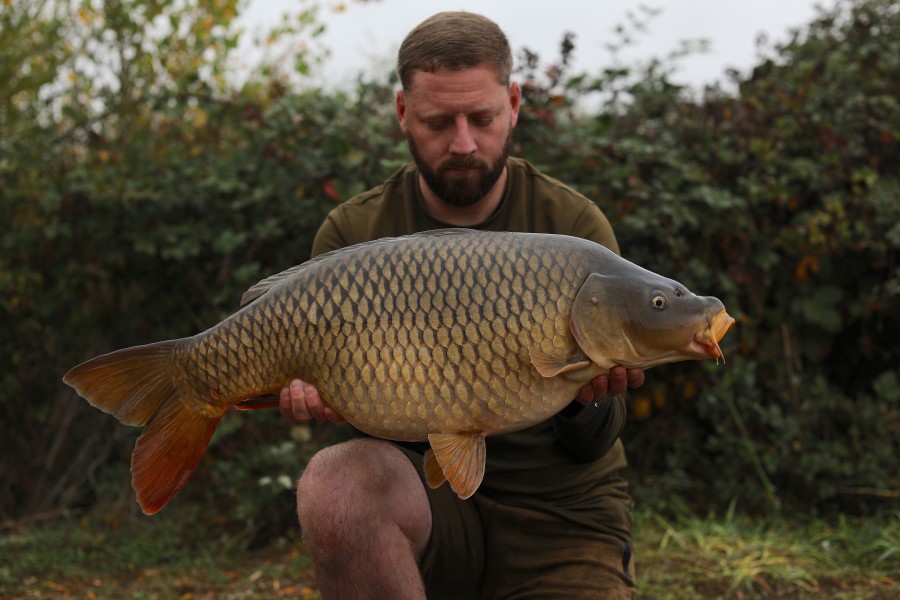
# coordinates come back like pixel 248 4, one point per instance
pixel 143 215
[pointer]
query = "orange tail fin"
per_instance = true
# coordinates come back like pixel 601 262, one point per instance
pixel 136 385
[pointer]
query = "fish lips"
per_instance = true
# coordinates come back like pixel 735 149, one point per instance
pixel 706 340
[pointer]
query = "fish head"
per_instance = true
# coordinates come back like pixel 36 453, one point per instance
pixel 639 319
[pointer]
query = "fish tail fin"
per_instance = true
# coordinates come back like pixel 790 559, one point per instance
pixel 138 387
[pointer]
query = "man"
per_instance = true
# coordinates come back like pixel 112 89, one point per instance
pixel 552 516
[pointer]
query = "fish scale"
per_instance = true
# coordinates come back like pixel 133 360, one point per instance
pixel 423 297
pixel 444 336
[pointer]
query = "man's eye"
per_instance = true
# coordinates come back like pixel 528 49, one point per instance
pixel 437 125
pixel 483 122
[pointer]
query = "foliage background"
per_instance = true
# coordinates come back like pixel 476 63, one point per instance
pixel 142 189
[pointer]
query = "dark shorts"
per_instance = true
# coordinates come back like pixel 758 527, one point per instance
pixel 480 548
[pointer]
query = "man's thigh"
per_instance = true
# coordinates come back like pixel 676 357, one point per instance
pixel 481 549
pixel 453 562
pixel 532 554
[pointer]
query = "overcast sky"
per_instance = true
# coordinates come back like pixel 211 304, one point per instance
pixel 365 36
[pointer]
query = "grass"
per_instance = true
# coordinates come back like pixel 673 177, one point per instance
pixel 741 557
pixel 729 556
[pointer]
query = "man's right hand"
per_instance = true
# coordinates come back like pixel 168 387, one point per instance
pixel 299 402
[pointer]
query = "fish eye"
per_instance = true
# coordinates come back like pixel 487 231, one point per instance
pixel 658 302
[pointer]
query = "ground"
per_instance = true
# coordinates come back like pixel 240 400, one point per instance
pixel 687 557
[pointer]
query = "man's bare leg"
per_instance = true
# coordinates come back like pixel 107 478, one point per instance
pixel 366 521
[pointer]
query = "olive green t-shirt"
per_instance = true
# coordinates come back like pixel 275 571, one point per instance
pixel 565 465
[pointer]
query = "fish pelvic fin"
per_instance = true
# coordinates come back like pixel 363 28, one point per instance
pixel 457 457
pixel 137 385
pixel 433 473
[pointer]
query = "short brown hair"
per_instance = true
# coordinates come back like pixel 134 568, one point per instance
pixel 454 41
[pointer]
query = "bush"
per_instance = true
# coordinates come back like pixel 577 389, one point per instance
pixel 784 201
pixel 141 204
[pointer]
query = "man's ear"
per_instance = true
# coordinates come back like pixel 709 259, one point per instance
pixel 400 102
pixel 515 101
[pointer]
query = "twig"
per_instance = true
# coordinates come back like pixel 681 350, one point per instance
pixel 771 494
pixel 870 491
pixel 12 524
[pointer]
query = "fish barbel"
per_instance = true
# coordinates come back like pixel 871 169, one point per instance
pixel 446 336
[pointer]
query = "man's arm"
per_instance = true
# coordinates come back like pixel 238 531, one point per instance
pixel 589 426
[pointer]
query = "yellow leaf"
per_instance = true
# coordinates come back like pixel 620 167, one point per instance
pixel 659 396
pixel 641 407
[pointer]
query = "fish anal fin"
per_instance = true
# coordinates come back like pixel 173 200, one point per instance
pixel 461 458
pixel 551 366
pixel 433 473
pixel 167 452
pixel 258 402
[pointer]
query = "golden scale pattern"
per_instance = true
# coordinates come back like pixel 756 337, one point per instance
pixel 433 335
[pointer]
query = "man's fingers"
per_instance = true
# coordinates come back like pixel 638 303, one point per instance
pixel 618 380
pixel 284 404
pixel 332 416
pixel 300 402
pixel 635 378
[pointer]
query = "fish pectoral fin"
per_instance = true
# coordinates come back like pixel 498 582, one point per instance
pixel 551 366
pixel 460 459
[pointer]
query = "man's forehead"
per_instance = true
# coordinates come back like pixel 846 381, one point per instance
pixel 480 75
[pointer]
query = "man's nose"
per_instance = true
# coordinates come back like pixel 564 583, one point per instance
pixel 463 140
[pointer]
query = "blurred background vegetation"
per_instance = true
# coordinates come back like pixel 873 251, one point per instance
pixel 144 186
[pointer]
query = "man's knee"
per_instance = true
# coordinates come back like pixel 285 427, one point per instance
pixel 344 471
pixel 349 488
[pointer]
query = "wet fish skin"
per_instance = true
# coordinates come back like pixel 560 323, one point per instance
pixel 447 336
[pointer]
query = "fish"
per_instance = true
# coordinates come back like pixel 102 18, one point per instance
pixel 445 336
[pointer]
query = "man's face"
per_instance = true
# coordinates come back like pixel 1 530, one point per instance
pixel 459 128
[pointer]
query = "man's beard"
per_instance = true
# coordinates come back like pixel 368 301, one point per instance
pixel 467 189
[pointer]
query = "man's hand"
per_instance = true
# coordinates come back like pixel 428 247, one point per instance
pixel 616 382
pixel 300 402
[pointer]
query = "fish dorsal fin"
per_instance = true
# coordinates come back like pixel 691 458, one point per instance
pixel 459 457
pixel 268 283
pixel 551 366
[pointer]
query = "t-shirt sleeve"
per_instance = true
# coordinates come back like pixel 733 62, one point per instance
pixel 592 224
pixel 332 234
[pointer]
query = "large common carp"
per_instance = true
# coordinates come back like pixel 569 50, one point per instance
pixel 445 336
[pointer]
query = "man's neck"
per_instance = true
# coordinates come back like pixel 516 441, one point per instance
pixel 464 216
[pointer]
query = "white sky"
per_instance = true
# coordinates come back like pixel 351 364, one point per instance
pixel 365 36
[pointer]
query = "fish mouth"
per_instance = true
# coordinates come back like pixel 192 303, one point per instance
pixel 707 339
